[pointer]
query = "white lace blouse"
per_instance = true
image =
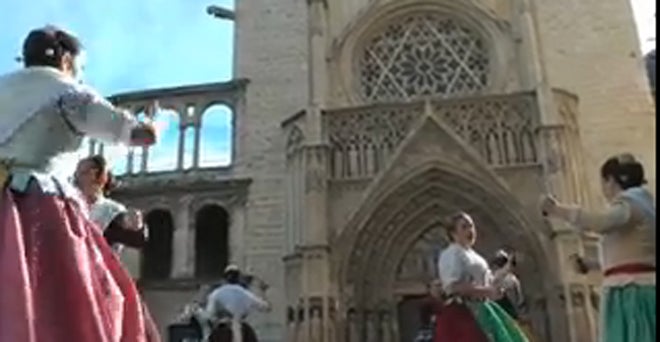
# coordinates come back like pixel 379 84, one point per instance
pixel 458 264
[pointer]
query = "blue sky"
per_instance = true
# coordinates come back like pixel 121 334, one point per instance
pixel 133 45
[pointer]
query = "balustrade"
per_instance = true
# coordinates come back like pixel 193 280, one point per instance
pixel 187 104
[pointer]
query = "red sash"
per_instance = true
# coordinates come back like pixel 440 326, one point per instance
pixel 632 268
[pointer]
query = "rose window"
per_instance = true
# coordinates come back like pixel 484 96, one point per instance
pixel 422 55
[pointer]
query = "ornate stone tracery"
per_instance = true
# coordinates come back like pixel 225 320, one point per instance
pixel 499 128
pixel 422 54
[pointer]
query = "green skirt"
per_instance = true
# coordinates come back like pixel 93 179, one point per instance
pixel 497 324
pixel 628 314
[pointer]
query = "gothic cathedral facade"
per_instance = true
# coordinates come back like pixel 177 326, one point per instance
pixel 360 124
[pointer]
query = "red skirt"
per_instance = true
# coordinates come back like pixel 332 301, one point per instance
pixel 60 279
pixel 457 323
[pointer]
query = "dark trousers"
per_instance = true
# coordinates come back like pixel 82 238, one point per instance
pixel 180 332
pixel 222 333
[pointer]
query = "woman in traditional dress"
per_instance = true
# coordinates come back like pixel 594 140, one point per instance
pixel 470 313
pixel 513 299
pixel 60 279
pixel 627 227
pixel 120 226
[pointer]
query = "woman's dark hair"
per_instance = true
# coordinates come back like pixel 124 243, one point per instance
pixel 101 164
pixel 452 223
pixel 500 261
pixel 46 47
pixel 625 170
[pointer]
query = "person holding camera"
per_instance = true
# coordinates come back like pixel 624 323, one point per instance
pixel 513 299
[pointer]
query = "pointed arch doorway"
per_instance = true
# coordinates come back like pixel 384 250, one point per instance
pixel 389 249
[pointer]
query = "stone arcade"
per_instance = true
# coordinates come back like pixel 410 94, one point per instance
pixel 359 124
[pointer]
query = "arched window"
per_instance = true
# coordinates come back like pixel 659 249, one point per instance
pixel 157 254
pixel 211 241
pixel 163 155
pixel 422 54
pixel 216 137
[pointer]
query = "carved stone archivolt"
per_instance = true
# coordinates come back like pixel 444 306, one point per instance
pixel 398 228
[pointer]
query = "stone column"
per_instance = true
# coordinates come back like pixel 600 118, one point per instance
pixel 316 291
pixel 180 244
pixel 580 315
pixel 196 151
pixel 129 162
pixel 237 112
pixel 145 159
pixel 236 233
pixel 92 147
pixel 182 146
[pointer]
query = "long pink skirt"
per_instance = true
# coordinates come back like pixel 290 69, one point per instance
pixel 59 279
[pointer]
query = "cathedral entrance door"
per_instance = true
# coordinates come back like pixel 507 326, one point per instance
pixel 409 319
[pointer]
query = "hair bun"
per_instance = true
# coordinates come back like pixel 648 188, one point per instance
pixel 39 43
pixel 45 46
pixel 625 169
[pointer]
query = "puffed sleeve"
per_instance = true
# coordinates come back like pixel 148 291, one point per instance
pixel 90 114
pixel 617 215
pixel 450 268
